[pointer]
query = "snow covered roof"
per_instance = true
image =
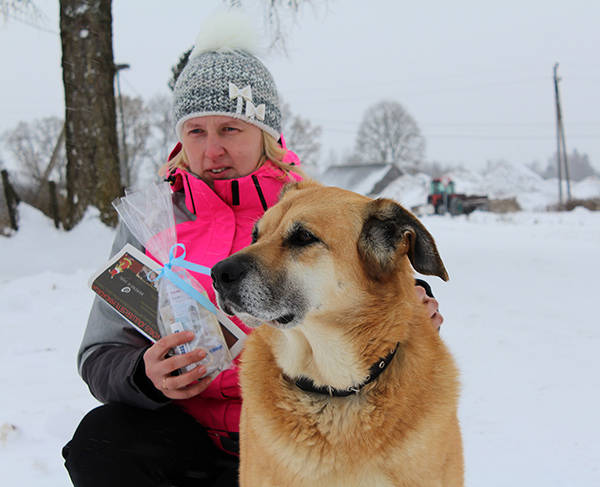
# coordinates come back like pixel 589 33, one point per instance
pixel 366 179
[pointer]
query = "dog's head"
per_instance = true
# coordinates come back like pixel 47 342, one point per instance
pixel 323 250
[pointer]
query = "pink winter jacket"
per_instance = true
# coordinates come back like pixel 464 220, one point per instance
pixel 224 220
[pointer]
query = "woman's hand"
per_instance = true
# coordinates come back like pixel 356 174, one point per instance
pixel 159 367
pixel 431 305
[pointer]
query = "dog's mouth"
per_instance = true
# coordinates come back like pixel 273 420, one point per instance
pixel 252 320
pixel 226 308
pixel 285 319
pixel 284 322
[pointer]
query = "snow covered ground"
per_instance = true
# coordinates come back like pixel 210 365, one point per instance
pixel 521 319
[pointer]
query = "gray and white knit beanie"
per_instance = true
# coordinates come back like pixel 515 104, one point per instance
pixel 224 77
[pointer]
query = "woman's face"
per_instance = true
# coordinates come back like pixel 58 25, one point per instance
pixel 220 147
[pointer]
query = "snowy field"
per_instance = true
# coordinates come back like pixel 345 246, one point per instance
pixel 521 319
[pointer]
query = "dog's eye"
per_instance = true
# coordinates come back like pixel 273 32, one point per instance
pixel 254 234
pixel 302 238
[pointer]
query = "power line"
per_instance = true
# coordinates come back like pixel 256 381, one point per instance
pixel 518 125
pixel 352 98
pixel 31 24
pixel 507 124
pixel 128 83
pixel 508 137
pixel 475 137
pixel 372 85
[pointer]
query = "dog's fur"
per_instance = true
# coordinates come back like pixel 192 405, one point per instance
pixel 330 276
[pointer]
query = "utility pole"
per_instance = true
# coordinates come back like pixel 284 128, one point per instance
pixel 561 152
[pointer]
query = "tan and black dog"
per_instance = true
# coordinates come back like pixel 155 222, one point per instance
pixel 345 381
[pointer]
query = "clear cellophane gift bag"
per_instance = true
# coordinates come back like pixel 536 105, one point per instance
pixel 183 304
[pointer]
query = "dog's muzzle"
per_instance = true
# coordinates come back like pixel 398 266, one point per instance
pixel 243 290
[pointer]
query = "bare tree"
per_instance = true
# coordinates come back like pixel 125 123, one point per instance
pixel 301 136
pixel 149 137
pixel 24 8
pixel 279 15
pixel 136 125
pixel 93 175
pixel 388 133
pixel 164 138
pixel 39 149
pixel 580 167
pixel 34 146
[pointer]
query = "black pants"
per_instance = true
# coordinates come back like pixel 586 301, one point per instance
pixel 118 445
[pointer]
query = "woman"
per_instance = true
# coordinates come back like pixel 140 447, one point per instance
pixel 156 428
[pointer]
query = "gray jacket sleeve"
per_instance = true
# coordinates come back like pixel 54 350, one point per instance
pixel 110 359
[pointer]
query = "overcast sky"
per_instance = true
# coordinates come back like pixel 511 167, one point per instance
pixel 477 76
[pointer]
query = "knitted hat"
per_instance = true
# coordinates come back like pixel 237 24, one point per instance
pixel 223 77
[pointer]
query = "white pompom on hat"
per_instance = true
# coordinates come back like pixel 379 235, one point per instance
pixel 224 77
pixel 227 31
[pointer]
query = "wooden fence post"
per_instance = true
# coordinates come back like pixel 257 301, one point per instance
pixel 54 204
pixel 12 200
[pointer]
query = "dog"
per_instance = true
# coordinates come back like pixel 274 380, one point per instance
pixel 345 381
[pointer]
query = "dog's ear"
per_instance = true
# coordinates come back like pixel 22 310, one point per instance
pixel 303 184
pixel 287 188
pixel 390 232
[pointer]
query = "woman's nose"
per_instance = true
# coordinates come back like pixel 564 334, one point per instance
pixel 214 146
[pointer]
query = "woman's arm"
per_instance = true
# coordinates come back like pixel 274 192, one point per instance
pixel 116 373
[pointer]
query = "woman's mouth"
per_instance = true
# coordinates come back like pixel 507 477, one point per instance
pixel 219 170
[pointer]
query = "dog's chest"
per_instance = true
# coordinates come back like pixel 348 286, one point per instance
pixel 326 444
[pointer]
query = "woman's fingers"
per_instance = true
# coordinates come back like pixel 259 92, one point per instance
pixel 186 385
pixel 431 305
pixel 160 367
pixel 162 347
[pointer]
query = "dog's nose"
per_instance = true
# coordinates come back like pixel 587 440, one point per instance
pixel 226 273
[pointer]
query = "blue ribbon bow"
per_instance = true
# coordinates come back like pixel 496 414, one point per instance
pixel 179 261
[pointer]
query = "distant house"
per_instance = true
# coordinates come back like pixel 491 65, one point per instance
pixel 366 179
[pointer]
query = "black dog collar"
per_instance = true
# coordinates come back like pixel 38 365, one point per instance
pixel 308 385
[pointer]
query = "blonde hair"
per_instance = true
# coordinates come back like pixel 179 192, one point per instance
pixel 271 151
